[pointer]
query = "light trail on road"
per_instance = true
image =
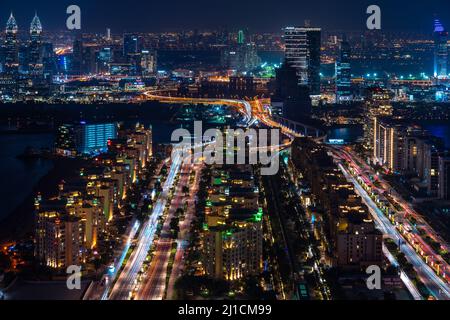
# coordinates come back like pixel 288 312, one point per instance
pixel 403 276
pixel 155 283
pixel 437 287
pixel 127 280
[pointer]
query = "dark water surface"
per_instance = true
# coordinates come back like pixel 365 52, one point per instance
pixel 18 177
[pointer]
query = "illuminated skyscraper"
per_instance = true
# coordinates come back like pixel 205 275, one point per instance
pixel 93 138
pixel 303 53
pixel 36 29
pixel 241 37
pixel 440 50
pixel 148 63
pixel 104 58
pixel 11 48
pixel 343 74
pixel 35 48
pixel 388 144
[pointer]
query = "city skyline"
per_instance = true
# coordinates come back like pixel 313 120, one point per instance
pixel 400 16
pixel 231 165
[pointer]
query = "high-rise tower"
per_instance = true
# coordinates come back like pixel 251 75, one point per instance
pixel 343 74
pixel 241 37
pixel 11 48
pixel 440 50
pixel 303 53
pixel 35 48
pixel 36 29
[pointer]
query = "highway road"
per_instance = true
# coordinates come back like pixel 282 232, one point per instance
pixel 363 172
pixel 154 282
pixel 128 279
pixel 407 207
pixel 184 235
pixel 438 288
pixel 403 276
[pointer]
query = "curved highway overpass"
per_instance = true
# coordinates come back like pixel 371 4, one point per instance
pixel 252 110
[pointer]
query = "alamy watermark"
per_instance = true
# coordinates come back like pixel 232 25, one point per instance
pixel 374 20
pixel 232 146
pixel 373 282
pixel 74 278
pixel 73 22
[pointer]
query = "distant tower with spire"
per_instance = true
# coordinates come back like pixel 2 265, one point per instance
pixel 35 47
pixel 35 28
pixel 11 25
pixel 11 46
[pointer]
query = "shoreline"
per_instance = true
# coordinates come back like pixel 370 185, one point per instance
pixel 20 222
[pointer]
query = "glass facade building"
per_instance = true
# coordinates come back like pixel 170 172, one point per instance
pixel 93 138
pixel 302 51
pixel 343 74
pixel 84 139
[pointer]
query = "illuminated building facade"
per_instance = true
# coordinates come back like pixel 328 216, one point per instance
pixel 408 150
pixel 232 87
pixel 11 47
pixel 359 243
pixel 377 104
pixel 232 235
pixel 84 138
pixel 241 37
pixel 57 236
pixel 132 47
pixel 70 226
pixel 35 48
pixel 355 241
pixel 387 145
pixel 149 63
pixel 303 45
pixel 242 58
pixel 104 59
pixel 343 74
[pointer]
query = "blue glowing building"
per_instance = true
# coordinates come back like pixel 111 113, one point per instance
pixel 84 139
pixel 440 50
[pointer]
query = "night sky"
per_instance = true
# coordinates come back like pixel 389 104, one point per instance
pixel 257 15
